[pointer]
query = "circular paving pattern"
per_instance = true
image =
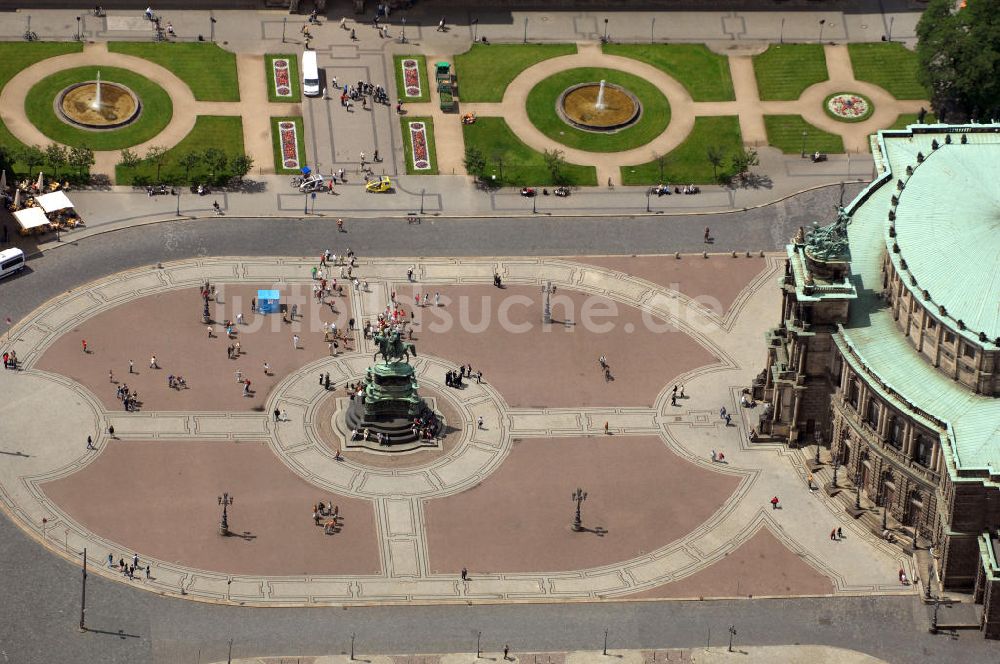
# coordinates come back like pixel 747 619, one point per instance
pixel 43 98
pixel 848 107
pixel 545 100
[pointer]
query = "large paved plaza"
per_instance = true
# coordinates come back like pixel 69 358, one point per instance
pixel 662 519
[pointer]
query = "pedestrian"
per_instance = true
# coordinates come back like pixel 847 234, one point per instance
pixel 399 108
pixel 682 390
pixel 714 457
pixel 343 23
pixel 506 652
pixel 375 156
pixel 354 35
pixel 152 362
pixel 111 431
pixel 148 575
pixel 135 560
pixel 674 390
pixel 111 561
pixel 465 574
pixel 90 443
pixel 326 380
pixel 83 342
pixel 409 273
pixel 479 422
pixel 441 25
pixel 111 376
pixel 603 361
pixel 809 481
pixel 277 414
pixel 840 533
pixel 673 399
pixel 722 413
pixel 170 29
pixel 774 503
pixel 437 298
pixel 253 304
pixel 209 328
pixel 728 419
pixel 218 209
pixel 833 535
pixel 267 369
pixel 295 341
pixel 334 83
pixel 340 225
pixel 707 234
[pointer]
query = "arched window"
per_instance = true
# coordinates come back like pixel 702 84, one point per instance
pixel 871 414
pixel 896 432
pixel 923 446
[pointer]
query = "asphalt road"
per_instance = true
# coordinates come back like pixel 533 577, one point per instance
pixel 76 263
pixel 40 592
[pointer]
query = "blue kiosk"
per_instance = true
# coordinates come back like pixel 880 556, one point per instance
pixel 269 301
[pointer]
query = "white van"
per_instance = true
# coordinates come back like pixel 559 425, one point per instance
pixel 310 74
pixel 11 261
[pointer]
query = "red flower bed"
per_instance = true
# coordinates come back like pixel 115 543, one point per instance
pixel 418 138
pixel 411 77
pixel 289 145
pixel 282 82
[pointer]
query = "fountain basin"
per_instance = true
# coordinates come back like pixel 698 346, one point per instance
pixel 119 105
pixel 577 106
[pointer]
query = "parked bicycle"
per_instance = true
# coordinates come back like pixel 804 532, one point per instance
pixel 30 35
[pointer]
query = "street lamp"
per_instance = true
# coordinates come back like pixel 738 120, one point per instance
pixel 648 191
pixel 402 34
pixel 547 290
pixel 211 20
pixel 605 40
pixel 578 497
pixel 178 201
pixel 804 135
pixel 422 191
pixel 284 24
pixel 732 633
pixel 475 30
pixel 822 22
pixel 305 210
pixel 525 29
pixel 225 500
pixel 79 35
pixel 889 36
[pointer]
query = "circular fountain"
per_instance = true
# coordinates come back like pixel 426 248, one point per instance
pixel 603 106
pixel 97 104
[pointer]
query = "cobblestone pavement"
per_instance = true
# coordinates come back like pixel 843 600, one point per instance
pixel 858 564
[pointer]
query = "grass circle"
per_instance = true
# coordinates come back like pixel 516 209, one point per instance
pixel 542 100
pixel 849 118
pixel 157 109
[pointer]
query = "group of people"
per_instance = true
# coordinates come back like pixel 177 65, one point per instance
pixel 10 360
pixel 332 514
pixel 176 382
pixel 130 400
pixel 454 378
pixel 664 189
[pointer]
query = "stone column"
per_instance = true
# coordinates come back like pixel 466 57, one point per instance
pixel 908 434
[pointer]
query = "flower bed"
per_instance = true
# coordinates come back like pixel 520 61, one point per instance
pixel 848 107
pixel 418 139
pixel 282 79
pixel 411 77
pixel 289 145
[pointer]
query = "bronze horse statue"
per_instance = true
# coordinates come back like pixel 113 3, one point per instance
pixel 393 348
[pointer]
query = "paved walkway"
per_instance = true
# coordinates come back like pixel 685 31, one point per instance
pixel 798 654
pixel 683 110
pixel 44 444
pixel 253 93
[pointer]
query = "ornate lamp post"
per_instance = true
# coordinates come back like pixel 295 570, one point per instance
pixel 225 500
pixel 578 497
pixel 857 485
pixel 819 443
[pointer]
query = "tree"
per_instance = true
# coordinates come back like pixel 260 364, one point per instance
pixel 959 51
pixel 216 160
pixel 7 159
pixel 31 155
pixel 744 160
pixel 56 157
pixel 715 155
pixel 156 155
pixel 81 158
pixel 129 159
pixel 475 162
pixel 661 163
pixel 189 160
pixel 556 164
pixel 241 165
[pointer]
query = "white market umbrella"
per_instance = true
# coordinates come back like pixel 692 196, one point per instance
pixel 3 181
pixel 17 199
pixel 41 181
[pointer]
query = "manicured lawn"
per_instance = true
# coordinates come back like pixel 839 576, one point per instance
pixel 785 133
pixel 425 89
pixel 784 71
pixel 300 136
pixel 890 66
pixel 294 84
pixel 911 118
pixel 210 131
pixel 543 98
pixel 513 161
pixel 210 71
pixel 485 70
pixel 408 146
pixel 688 162
pixel 705 74
pixel 156 109
pixel 16 56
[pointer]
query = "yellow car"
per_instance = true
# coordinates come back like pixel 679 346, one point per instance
pixel 379 186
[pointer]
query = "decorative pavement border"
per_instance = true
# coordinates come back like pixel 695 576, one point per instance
pixel 399 502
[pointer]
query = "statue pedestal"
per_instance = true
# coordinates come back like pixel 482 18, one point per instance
pixel 397 432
